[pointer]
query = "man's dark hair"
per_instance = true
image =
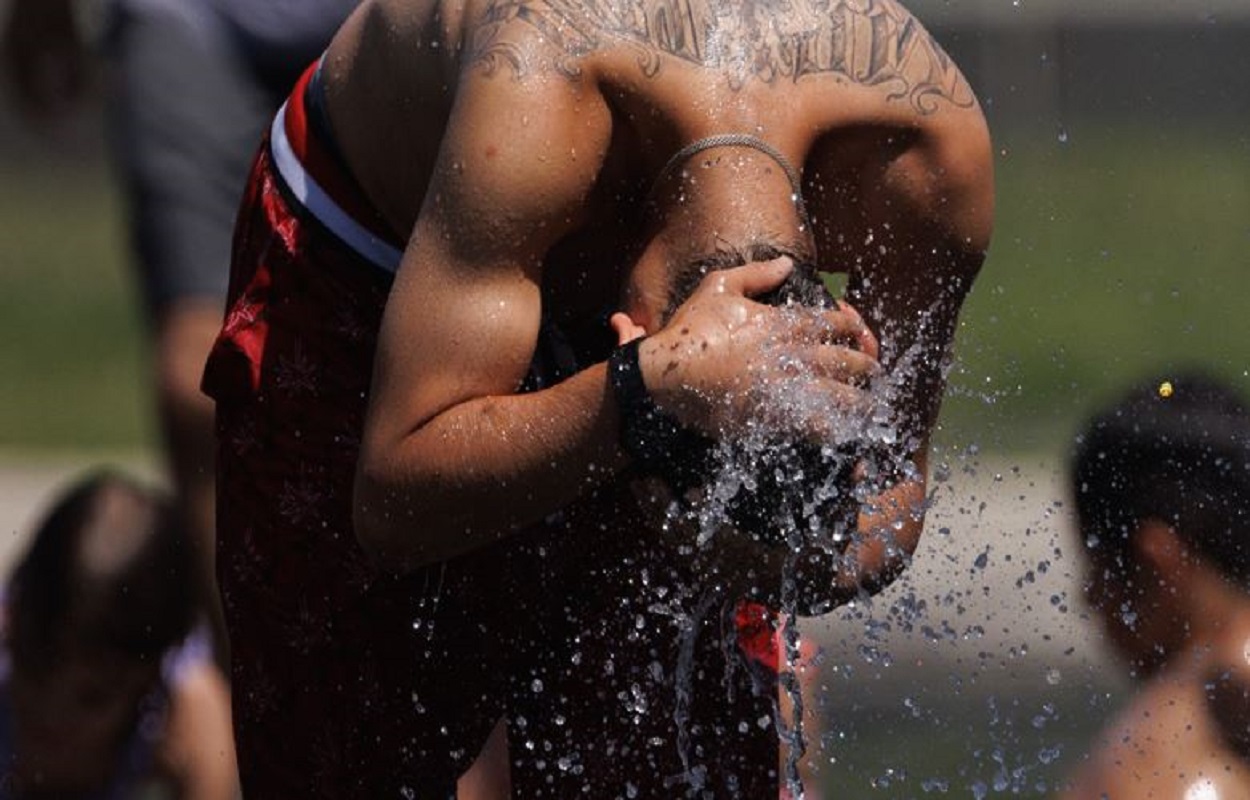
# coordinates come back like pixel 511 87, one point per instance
pixel 1176 451
pixel 803 286
pixel 108 569
pixel 774 503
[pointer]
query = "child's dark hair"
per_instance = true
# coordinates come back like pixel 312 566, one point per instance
pixel 109 570
pixel 1176 451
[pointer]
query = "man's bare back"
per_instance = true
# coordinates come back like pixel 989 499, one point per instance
pixel 848 87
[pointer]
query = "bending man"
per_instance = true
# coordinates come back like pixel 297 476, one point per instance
pixel 445 207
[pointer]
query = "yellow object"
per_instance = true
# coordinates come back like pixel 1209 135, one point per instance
pixel 1165 390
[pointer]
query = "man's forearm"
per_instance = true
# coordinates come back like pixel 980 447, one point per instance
pixel 484 468
pixel 887 533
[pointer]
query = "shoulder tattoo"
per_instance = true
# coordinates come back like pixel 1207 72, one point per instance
pixel 866 42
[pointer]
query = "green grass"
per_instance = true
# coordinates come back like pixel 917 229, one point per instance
pixel 72 348
pixel 1116 252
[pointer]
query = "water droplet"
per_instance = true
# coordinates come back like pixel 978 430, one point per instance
pixel 1204 789
pixel 1128 615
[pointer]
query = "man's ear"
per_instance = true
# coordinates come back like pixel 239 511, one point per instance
pixel 625 328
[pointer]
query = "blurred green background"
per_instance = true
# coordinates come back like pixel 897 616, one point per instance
pixel 72 345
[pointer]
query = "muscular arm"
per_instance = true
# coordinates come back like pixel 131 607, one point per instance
pixel 913 220
pixel 451 457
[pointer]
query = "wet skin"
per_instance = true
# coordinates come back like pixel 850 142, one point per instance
pixel 521 163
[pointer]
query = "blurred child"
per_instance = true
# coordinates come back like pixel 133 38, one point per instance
pixel 1162 488
pixel 190 88
pixel 107 691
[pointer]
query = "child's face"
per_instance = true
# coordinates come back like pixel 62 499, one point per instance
pixel 73 713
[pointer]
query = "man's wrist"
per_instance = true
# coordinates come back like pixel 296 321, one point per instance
pixel 656 442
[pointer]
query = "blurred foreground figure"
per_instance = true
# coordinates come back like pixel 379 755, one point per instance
pixel 436 457
pixel 107 692
pixel 1162 487
pixel 190 87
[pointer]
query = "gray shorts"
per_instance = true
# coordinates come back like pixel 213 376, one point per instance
pixel 186 113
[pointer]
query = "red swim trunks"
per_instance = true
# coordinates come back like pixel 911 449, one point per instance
pixel 337 669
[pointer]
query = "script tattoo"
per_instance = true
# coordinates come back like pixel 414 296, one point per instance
pixel 869 42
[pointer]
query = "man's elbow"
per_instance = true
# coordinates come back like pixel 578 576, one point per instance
pixel 867 576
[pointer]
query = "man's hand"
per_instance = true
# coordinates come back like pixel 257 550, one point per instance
pixel 725 363
pixel 45 58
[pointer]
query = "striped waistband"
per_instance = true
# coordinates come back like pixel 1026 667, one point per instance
pixel 317 181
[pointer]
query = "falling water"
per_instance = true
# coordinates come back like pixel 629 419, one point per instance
pixel 800 503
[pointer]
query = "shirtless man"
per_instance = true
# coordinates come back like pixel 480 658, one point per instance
pixel 1162 498
pixel 457 183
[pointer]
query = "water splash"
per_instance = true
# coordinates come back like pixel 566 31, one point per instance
pixel 693 776
pixel 800 502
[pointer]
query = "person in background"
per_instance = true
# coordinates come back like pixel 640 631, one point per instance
pixel 1161 480
pixel 107 687
pixel 190 87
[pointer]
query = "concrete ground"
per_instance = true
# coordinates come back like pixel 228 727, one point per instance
pixel 992 592
pixel 978 668
pixel 994 589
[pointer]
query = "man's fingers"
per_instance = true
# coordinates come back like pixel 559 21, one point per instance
pixel 755 278
pixel 835 326
pixel 864 337
pixel 841 364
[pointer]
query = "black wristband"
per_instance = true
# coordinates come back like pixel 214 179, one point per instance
pixel 659 445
